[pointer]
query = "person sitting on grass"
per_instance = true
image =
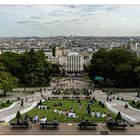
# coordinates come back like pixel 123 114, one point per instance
pixel 97 114
pixel 80 105
pixel 55 110
pixel 71 110
pixel 73 115
pixel 60 104
pixel 36 118
pixel 92 114
pixel 70 114
pixel 79 101
pixel 60 112
pixel 64 112
pixel 103 115
pixel 55 121
pixel 43 120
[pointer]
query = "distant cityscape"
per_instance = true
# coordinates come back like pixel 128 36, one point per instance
pixel 71 52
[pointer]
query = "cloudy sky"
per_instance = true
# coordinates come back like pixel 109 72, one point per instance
pixel 53 20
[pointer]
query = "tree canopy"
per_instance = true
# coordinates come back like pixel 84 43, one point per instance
pixel 7 81
pixel 116 65
pixel 31 67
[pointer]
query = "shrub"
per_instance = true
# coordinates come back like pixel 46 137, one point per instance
pixel 118 98
pixel 103 105
pixel 138 104
pixel 100 103
pixel 18 115
pixel 8 102
pixel 118 117
pixel 2 104
pixel 133 102
pixel 40 102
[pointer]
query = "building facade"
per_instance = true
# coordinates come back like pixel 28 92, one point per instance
pixel 74 63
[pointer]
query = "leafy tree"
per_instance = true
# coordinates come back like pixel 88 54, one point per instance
pixel 137 71
pixel 7 81
pixel 55 69
pixel 35 68
pixel 8 102
pixel 18 115
pixel 116 65
pixel 118 117
pixel 31 68
pixel 10 61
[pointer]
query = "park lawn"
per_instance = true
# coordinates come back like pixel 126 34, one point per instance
pixel 5 105
pixel 136 105
pixel 67 104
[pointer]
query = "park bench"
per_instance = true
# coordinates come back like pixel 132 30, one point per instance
pixel 21 125
pixel 84 125
pixel 49 124
pixel 114 125
pixel 87 97
pixel 76 97
pixel 65 97
pixel 55 97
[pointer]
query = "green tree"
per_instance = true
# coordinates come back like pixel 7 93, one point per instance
pixel 137 71
pixel 55 69
pixel 7 81
pixel 118 117
pixel 116 65
pixel 11 63
pixel 35 68
pixel 18 115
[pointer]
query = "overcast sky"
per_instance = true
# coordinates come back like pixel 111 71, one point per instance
pixel 83 20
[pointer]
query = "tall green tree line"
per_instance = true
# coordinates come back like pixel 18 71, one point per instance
pixel 120 66
pixel 31 67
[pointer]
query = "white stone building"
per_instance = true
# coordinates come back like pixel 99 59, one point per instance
pixel 74 63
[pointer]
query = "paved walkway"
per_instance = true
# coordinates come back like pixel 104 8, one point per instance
pixel 119 105
pixel 14 109
pixel 66 129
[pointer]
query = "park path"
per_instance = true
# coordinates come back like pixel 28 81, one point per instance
pixel 17 107
pixel 119 105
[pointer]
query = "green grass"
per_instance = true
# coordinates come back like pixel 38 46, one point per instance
pixel 67 104
pixel 136 105
pixel 5 105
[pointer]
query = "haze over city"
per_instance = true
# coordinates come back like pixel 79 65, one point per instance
pixel 79 20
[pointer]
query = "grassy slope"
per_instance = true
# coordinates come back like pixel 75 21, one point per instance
pixel 67 104
pixel 135 105
pixel 6 105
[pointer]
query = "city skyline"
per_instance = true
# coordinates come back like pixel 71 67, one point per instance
pixel 79 20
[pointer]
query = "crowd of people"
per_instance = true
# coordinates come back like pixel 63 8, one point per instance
pixel 67 113
pixel 110 98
